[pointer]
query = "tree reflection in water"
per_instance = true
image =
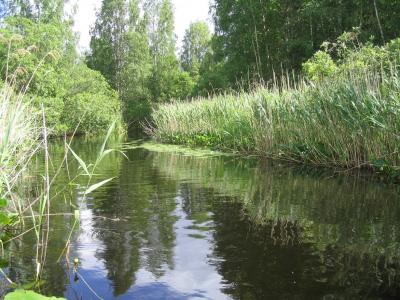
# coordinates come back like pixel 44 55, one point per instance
pixel 176 226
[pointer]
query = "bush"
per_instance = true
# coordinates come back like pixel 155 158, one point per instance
pixel 347 55
pixel 89 101
pixel 319 66
pixel 42 62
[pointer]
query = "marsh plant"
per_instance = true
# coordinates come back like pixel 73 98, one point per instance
pixel 24 135
pixel 347 116
pixel 34 214
pixel 18 140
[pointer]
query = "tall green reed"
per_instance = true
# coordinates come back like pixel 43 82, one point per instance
pixel 349 121
pixel 24 134
pixel 18 140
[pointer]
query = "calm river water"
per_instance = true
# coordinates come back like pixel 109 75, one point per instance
pixel 180 226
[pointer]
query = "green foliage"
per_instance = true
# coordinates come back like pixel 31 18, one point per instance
pixel 123 56
pixel 18 135
pixel 319 66
pixel 37 10
pixel 177 85
pixel 90 101
pixel 347 55
pixel 196 46
pixel 36 49
pixel 347 120
pixel 166 76
pixel 108 41
pixel 136 53
pixel 135 93
pixel 4 219
pixel 256 40
pixel 27 295
pixel 213 79
pixel 41 62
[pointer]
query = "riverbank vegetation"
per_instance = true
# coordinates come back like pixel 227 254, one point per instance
pixel 133 65
pixel 343 114
pixel 253 44
pixel 27 192
pixel 39 60
pixel 313 82
pixel 45 91
pixel 18 143
pixel 272 88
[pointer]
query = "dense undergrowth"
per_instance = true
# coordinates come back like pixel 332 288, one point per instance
pixel 345 115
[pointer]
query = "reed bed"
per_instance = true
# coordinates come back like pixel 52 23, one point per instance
pixel 24 134
pixel 348 121
pixel 19 136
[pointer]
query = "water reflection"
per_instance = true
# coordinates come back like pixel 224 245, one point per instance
pixel 290 234
pixel 172 226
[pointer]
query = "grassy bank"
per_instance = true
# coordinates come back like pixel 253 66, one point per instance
pixel 351 120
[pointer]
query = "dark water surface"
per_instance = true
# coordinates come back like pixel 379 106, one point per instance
pixel 174 226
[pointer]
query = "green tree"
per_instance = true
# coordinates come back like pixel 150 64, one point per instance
pixel 196 45
pixel 136 72
pixel 108 41
pixel 42 63
pixel 167 80
pixel 120 51
pixel 37 10
pixel 257 40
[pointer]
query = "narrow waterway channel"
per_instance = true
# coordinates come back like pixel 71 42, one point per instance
pixel 180 226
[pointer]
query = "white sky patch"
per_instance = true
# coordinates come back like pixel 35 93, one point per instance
pixel 186 12
pixel 84 19
pixel 189 11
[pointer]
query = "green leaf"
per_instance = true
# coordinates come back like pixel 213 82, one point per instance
pixel 80 161
pixel 110 130
pixel 3 203
pixel 3 263
pixel 28 295
pixel 77 214
pixel 97 185
pixel 4 219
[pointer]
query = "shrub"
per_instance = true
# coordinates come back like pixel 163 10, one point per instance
pixel 39 58
pixel 319 66
pixel 89 101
